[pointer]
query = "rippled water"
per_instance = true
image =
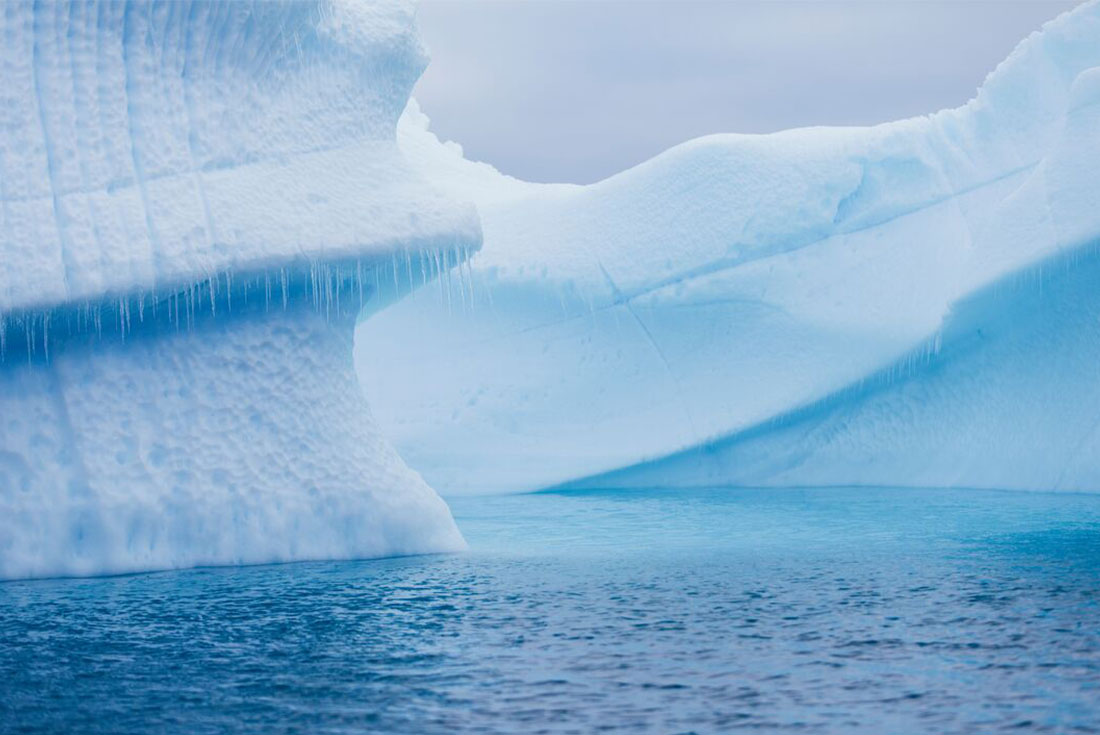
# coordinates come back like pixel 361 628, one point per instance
pixel 879 611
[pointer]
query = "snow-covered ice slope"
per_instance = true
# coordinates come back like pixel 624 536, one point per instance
pixel 910 303
pixel 197 200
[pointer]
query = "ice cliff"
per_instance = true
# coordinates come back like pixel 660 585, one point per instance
pixel 197 200
pixel 914 303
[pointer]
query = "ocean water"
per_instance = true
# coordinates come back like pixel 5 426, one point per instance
pixel 847 611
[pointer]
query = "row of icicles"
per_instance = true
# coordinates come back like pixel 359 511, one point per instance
pixel 329 288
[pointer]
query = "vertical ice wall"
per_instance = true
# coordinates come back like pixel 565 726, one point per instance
pixel 196 201
pixel 243 439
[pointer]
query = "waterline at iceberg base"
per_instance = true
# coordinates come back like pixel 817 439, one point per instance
pixel 789 432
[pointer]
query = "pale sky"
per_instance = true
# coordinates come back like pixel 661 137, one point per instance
pixel 576 90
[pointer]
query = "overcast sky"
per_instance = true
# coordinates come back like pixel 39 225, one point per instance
pixel 577 90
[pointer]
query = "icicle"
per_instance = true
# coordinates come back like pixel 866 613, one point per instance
pixel 469 274
pixel 438 262
pixel 332 290
pixel 447 280
pixel 337 285
pixel 323 295
pixel 461 285
pixel 468 265
pixel 310 285
pixel 122 318
pixel 359 280
pixel 190 307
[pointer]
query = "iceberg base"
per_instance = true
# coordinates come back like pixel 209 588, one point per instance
pixel 243 439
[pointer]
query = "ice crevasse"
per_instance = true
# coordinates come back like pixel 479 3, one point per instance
pixel 197 202
pixel 913 303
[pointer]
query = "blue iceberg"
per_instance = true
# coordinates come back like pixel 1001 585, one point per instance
pixel 912 303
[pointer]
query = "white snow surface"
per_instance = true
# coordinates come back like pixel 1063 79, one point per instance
pixel 905 304
pixel 150 144
pixel 197 200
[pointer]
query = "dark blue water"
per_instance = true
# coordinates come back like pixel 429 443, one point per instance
pixel 878 611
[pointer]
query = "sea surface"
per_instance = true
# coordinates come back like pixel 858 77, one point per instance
pixel 840 611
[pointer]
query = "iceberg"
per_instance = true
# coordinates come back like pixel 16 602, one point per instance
pixel 197 202
pixel 912 303
pixel 249 312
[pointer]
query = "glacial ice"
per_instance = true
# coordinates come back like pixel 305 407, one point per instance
pixel 197 200
pixel 912 303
